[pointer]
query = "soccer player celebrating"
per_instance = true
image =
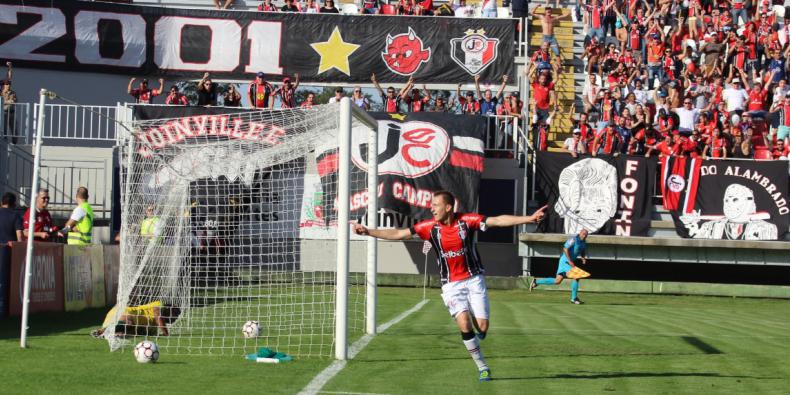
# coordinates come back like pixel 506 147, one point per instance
pixel 574 248
pixel 463 285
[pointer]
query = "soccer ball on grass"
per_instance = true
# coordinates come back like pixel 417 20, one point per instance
pixel 146 351
pixel 251 329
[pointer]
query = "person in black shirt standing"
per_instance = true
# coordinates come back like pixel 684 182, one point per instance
pixel 289 6
pixel 207 92
pixel 10 230
pixel 10 220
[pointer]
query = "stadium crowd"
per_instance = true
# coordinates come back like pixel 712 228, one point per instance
pixel 459 8
pixel 694 78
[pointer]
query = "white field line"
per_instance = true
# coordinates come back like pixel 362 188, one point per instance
pixel 318 382
pixel 350 393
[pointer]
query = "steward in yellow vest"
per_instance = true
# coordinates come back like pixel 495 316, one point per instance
pixel 79 227
pixel 149 227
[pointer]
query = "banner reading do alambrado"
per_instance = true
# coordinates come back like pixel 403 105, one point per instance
pixel 185 43
pixel 731 200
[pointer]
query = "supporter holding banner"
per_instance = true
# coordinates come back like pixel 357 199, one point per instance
pixel 742 200
pixel 605 194
pixel 175 42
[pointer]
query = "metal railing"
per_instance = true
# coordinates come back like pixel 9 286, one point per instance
pixel 15 120
pixel 66 121
pixel 503 136
pixel 63 177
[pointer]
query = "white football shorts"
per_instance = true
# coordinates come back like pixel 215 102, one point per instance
pixel 470 294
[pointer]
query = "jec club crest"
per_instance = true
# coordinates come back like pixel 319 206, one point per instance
pixel 474 51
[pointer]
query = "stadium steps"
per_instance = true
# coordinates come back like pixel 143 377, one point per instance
pixel 567 86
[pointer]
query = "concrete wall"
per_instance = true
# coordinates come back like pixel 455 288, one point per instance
pixel 406 257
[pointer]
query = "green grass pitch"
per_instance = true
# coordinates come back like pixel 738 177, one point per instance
pixel 538 343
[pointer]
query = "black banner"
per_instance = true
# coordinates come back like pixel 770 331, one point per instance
pixel 185 43
pixel 607 195
pixel 733 200
pixel 419 153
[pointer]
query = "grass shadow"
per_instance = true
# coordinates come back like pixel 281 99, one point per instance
pixel 44 324
pixel 617 375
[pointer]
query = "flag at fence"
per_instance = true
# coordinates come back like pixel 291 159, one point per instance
pixel 679 182
pixel 426 247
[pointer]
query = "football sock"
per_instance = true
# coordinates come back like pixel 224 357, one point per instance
pixel 545 281
pixel 574 289
pixel 473 346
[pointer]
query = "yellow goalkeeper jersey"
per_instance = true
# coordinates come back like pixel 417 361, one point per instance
pixel 142 315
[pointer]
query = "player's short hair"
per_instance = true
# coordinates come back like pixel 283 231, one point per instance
pixel 82 193
pixel 447 196
pixel 9 199
pixel 169 313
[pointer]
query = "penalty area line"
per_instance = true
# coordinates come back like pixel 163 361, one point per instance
pixel 318 382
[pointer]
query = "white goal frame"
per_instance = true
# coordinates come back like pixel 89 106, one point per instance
pixel 347 110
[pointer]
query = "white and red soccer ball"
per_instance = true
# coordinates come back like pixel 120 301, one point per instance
pixel 251 329
pixel 146 351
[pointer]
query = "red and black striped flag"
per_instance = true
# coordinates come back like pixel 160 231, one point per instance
pixel 679 182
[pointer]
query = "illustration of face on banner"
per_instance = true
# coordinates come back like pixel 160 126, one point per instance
pixel 588 195
pixel 405 53
pixel 742 201
pixel 605 195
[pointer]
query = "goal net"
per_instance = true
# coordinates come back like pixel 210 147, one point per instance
pixel 229 218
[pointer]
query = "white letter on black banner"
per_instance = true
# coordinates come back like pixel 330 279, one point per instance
pixel 51 27
pixel 264 47
pixel 88 40
pixel 224 48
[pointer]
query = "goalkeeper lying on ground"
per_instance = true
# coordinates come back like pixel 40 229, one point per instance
pixel 148 319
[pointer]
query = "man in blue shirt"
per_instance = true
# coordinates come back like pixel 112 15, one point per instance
pixel 574 248
pixel 488 101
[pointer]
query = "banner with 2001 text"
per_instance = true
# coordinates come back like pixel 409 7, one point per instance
pixel 135 40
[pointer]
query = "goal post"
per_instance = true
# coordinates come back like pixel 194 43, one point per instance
pixel 232 217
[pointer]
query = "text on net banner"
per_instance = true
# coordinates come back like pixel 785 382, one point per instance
pixel 418 154
pixel 185 43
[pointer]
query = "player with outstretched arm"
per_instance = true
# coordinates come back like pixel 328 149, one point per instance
pixel 575 247
pixel 463 284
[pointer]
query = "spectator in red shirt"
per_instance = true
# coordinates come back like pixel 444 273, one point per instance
pixel 780 151
pixel 390 100
pixel 469 105
pixel 43 225
pixel 309 101
pixel 176 98
pixel 287 92
pixel 261 93
pixel 414 102
pixel 544 96
pixel 267 6
pixel 716 147
pixel 143 94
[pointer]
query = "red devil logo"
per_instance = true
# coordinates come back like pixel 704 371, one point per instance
pixel 404 53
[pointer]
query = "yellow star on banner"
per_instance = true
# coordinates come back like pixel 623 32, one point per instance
pixel 400 117
pixel 334 53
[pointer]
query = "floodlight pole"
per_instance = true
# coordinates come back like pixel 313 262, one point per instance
pixel 32 219
pixel 343 230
